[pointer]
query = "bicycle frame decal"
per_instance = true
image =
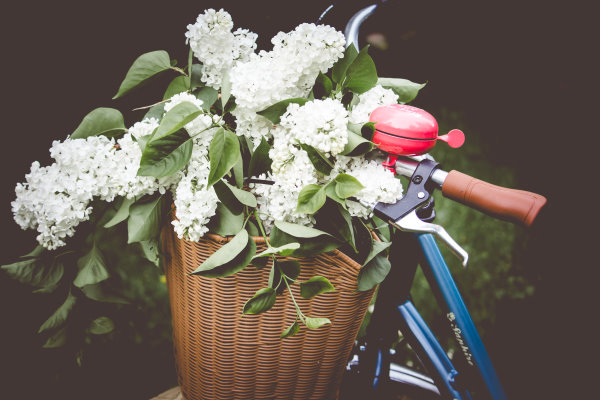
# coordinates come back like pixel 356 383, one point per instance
pixel 459 338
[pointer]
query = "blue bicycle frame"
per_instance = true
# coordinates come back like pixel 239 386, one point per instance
pixel 446 292
pixel 394 304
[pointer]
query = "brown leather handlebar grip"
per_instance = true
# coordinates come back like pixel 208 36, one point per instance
pixel 512 205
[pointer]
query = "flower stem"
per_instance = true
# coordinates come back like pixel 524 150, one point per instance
pixel 182 72
pixel 260 226
pixel 298 311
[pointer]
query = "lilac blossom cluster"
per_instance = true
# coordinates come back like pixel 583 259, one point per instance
pixel 55 199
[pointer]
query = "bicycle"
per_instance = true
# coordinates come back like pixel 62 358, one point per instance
pixel 371 372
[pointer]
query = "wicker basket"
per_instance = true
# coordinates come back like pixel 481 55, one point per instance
pixel 222 354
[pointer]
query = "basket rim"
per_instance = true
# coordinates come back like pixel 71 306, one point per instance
pixel 261 240
pixel 215 237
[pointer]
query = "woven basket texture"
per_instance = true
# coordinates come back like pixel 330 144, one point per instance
pixel 222 354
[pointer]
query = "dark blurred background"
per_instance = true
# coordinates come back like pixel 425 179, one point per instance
pixel 513 75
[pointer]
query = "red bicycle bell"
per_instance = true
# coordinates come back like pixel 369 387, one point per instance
pixel 408 131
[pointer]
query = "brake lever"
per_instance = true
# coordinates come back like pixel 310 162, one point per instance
pixel 403 213
pixel 412 223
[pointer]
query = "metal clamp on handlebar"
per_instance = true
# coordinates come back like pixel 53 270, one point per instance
pixel 404 214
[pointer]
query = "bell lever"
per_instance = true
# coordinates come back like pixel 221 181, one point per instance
pixel 403 213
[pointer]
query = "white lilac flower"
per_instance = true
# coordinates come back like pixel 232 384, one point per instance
pixel 251 125
pixel 41 204
pixel 278 202
pixel 55 199
pixel 143 128
pixel 289 70
pixel 214 44
pixel 194 204
pixel 369 101
pixel 321 124
pixel 380 185
pixel 283 150
pixel 308 50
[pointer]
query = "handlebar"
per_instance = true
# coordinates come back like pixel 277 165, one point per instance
pixel 517 206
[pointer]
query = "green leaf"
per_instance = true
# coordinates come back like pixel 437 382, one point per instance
pixel 373 273
pixel 315 323
pixel 356 145
pixel 60 315
pixel 196 76
pixel 121 214
pixel 262 301
pixel 36 252
pixel 260 263
pixel 225 89
pixel 330 192
pixel 349 98
pixel 143 141
pixel 228 193
pixel 238 174
pixel 178 84
pixel 318 160
pixel 101 121
pixel 363 238
pixel 155 111
pixel 377 248
pixel 37 272
pixel 340 222
pixel 225 196
pixel 144 220
pixel 322 87
pixel 208 95
pixel 92 268
pixel 98 293
pixel 101 326
pixel 309 246
pixel 274 112
pixel 224 153
pixel 299 231
pixel 347 186
pixel 274 278
pixel 143 68
pixel 252 228
pixel 405 89
pixel 383 228
pixel 367 131
pixel 150 251
pixel 315 286
pixel 338 71
pixel 311 198
pixel 243 196
pixel 167 155
pixel 290 330
pixel 260 162
pixel 361 75
pixel 230 258
pixel 226 223
pixel 175 119
pixel 226 253
pixel 289 268
pixel 57 340
pixel 284 250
